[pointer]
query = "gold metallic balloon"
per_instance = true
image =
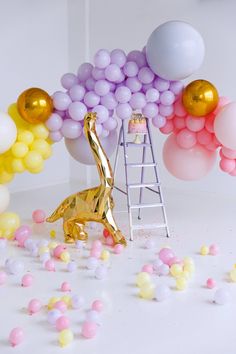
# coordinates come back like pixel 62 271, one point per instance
pixel 200 98
pixel 94 204
pixel 35 105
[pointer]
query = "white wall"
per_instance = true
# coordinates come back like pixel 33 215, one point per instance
pixel 34 52
pixel 127 25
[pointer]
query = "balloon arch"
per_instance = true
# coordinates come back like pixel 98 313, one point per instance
pixel 198 121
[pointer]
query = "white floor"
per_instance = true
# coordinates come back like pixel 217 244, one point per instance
pixel 187 323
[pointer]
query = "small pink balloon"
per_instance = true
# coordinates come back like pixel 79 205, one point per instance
pixel 109 241
pixel 195 124
pixel 62 322
pixel 96 253
pixel 179 122
pixel 148 268
pixel 118 248
pixel 61 306
pixel 39 216
pixel 65 286
pixel 34 306
pixel 16 336
pixel 222 102
pixel 166 254
pixel 97 305
pixel 214 249
pixel 21 234
pixel 204 137
pixel 227 165
pixel 168 127
pixel 179 109
pixel 174 260
pixel 89 329
pixel 27 280
pixel 50 265
pixel 210 283
pixel 97 244
pixel 186 139
pixel 230 154
pixel 58 250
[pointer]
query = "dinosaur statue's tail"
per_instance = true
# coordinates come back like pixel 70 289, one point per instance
pixel 58 213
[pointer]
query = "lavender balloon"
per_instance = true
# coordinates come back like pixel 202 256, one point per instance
pixel 71 129
pixel 102 113
pixel 102 58
pixel 68 80
pixel 110 124
pixel 61 100
pixel 138 100
pixel 138 57
pixel 118 57
pixel 102 87
pixel 124 111
pixel 133 84
pixel 159 121
pixel 77 92
pixel 91 99
pixel 123 94
pixel 77 110
pixel 150 110
pixel 113 73
pixel 167 98
pixel 152 95
pixel 54 122
pixel 85 71
pixel 109 101
pixel 161 84
pixel 145 75
pixel 130 69
pixel 55 136
pixel 98 74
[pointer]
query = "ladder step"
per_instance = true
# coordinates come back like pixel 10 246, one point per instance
pixel 133 144
pixel 141 164
pixel 139 206
pixel 139 185
pixel 149 226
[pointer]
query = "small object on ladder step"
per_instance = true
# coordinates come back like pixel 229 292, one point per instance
pixel 141 164
pixel 138 206
pixel 148 226
pixel 140 185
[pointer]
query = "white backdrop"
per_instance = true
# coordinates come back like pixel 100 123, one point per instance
pixel 40 40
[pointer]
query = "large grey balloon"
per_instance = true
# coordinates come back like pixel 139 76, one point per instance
pixel 80 150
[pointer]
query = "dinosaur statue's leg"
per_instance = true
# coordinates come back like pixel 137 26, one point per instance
pixel 110 224
pixel 68 231
pixel 79 231
pixel 74 230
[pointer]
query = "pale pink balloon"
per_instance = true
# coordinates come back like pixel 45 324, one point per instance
pixel 204 137
pixel 179 122
pixel 209 123
pixel 186 139
pixel 225 126
pixel 233 173
pixel 227 165
pixel 179 109
pixel 230 154
pixel 195 124
pixel 222 102
pixel 187 164
pixel 168 127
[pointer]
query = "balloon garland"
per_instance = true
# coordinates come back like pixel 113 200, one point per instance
pixel 114 86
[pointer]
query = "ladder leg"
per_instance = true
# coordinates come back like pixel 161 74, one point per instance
pixel 157 179
pixel 117 152
pixel 126 183
pixel 142 177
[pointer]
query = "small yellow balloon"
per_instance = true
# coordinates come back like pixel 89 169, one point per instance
pixel 65 337
pixel 5 177
pixel 14 113
pixel 105 255
pixel 147 291
pixel 204 251
pixel 9 222
pixel 65 256
pixel 176 270
pixel 181 283
pixel 19 150
pixel 52 302
pixel 200 98
pixel 42 147
pixel 25 136
pixel 142 278
pixel 40 131
pixel 33 160
pixel 35 105
pixel 18 165
pixel 233 275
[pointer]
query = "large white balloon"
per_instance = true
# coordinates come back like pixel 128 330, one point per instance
pixel 80 150
pixel 175 50
pixel 225 126
pixel 4 198
pixel 8 132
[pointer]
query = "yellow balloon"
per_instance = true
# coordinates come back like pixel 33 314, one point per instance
pixel 40 131
pixel 42 147
pixel 9 222
pixel 5 177
pixel 35 105
pixel 18 165
pixel 7 163
pixel 66 336
pixel 25 136
pixel 147 291
pixel 19 150
pixel 33 160
pixel 200 98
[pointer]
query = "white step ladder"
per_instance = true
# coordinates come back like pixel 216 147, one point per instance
pixel 159 203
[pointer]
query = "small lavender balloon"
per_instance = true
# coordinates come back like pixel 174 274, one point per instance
pixel 90 83
pixel 77 301
pixel 61 100
pixel 102 58
pixel 101 272
pixel 55 136
pixel 54 122
pixel 85 71
pixel 162 292
pixel 93 316
pixel 92 263
pixel 101 87
pixel 16 267
pixel 163 269
pixel 109 101
pixel 166 111
pixel 110 124
pixel 149 244
pixel 91 99
pixel 68 80
pixel 71 129
pixel 98 74
pixel 159 121
pixel 138 57
pixel 122 94
pixel 53 315
pixel 138 100
pixel 176 87
pixel 152 95
pixel 102 113
pixel 71 266
pixel 112 72
pixel 167 98
pixel 150 110
pixel 133 84
pixel 77 110
pixel 123 111
pixel 130 69
pixel 157 263
pixel 118 57
pixel 161 84
pixel 77 93
pixel 146 75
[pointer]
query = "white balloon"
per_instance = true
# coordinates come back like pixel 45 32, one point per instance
pixel 80 150
pixel 4 198
pixel 8 132
pixel 175 50
pixel 225 125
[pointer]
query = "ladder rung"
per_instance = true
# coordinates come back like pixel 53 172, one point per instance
pixel 141 164
pixel 139 206
pixel 134 144
pixel 149 226
pixel 139 185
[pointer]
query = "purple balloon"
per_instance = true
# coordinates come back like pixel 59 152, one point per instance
pixel 159 121
pixel 112 72
pixel 113 86
pixel 110 124
pixel 166 111
pixel 150 110
pixel 118 57
pixel 104 133
pixel 152 95
pixel 80 150
pixel 71 129
pixel 109 101
pixel 98 129
pixel 130 69
pixel 120 80
pixel 123 111
pixel 133 84
pixel 61 100
pixel 161 84
pixel 138 100
pixel 85 71
pixel 138 57
pixel 77 92
pixel 145 75
pixel 91 99
pixel 60 113
pixel 89 84
pixel 98 74
pixel 77 110
pixel 123 94
pixel 54 122
pixel 167 98
pixel 55 136
pixel 68 80
pixel 102 58
pixel 102 87
pixel 176 87
pixel 102 113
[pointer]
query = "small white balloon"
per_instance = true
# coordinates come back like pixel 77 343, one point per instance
pixel 175 50
pixel 162 292
pixel 8 132
pixel 4 197
pixel 221 296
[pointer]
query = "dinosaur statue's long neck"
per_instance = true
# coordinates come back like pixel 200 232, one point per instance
pixel 102 162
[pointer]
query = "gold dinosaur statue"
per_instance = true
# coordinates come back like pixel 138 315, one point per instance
pixel 94 204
